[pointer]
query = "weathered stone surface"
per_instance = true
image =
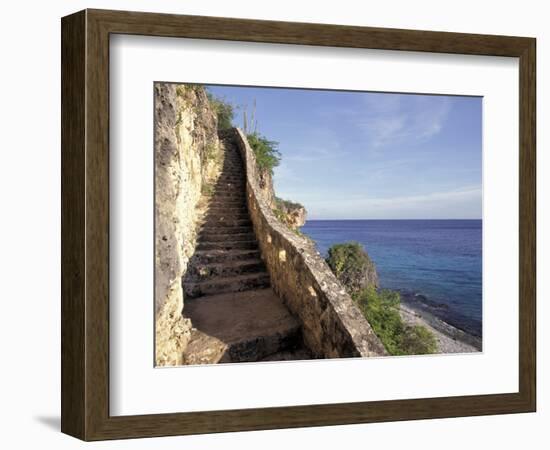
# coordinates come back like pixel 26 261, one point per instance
pixel 332 325
pixel 187 153
pixel 239 327
pixel 290 213
pixel 236 316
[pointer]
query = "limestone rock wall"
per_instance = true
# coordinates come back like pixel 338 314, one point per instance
pixel 292 214
pixel 332 324
pixel 187 160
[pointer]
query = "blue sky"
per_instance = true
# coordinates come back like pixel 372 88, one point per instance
pixel 359 155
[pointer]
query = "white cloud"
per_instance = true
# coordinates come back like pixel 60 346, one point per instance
pixel 329 148
pixel 395 119
pixel 314 154
pixel 464 202
pixel 284 173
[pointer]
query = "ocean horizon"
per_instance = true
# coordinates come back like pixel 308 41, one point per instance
pixel 437 262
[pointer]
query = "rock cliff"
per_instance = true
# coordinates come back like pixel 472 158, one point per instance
pixel 291 213
pixel 187 163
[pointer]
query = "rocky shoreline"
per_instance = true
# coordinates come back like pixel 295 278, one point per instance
pixel 449 338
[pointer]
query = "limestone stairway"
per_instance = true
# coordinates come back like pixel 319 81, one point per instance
pixel 235 314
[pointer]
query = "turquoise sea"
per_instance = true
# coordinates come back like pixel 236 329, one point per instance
pixel 436 263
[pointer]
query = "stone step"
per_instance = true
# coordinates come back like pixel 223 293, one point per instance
pixel 220 216
pixel 239 211
pixel 237 283
pixel 232 173
pixel 299 353
pixel 232 167
pixel 227 201
pixel 226 237
pixel 230 187
pixel 202 272
pixel 221 208
pixel 237 175
pixel 239 327
pixel 231 179
pixel 220 256
pixel 206 231
pixel 229 195
pixel 229 245
pixel 230 190
pixel 221 221
pixel 222 189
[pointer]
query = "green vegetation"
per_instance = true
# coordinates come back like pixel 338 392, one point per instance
pixel 207 189
pixel 211 152
pixel 288 205
pixel 418 340
pixel 266 151
pixel 280 214
pixel 381 308
pixel 267 154
pixel 352 266
pixel 224 111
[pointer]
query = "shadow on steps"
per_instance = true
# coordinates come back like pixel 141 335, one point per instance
pixel 235 314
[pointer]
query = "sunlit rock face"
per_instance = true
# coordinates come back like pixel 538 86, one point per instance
pixel 187 161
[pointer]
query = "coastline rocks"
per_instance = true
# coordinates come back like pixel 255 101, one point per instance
pixel 443 312
pixel 291 213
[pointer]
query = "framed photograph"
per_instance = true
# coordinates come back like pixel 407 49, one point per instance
pixel 273 225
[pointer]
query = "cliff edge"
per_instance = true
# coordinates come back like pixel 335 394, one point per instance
pixel 187 163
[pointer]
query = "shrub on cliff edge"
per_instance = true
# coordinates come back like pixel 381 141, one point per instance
pixel 266 152
pixel 224 111
pixel 354 269
pixel 352 266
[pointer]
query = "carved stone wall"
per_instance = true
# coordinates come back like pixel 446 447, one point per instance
pixel 333 326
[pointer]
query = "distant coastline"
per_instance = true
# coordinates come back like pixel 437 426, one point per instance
pixel 450 339
pixel 435 265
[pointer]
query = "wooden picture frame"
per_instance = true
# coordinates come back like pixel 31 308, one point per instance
pixel 85 224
